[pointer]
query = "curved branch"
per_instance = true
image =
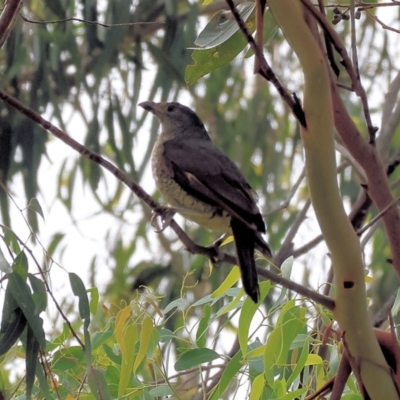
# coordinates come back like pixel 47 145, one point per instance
pixel 137 189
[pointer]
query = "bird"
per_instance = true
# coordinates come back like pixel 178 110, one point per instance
pixel 201 183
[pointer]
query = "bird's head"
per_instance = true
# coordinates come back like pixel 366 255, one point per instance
pixel 177 120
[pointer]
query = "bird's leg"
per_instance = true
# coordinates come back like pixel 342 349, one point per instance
pixel 216 247
pixel 166 214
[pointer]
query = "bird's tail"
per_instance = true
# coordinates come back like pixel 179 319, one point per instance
pixel 245 239
pixel 263 247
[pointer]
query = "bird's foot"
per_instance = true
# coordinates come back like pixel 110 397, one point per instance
pixel 216 252
pixel 166 214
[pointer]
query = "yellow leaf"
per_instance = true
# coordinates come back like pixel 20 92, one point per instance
pixel 229 281
pixel 128 355
pixel 122 316
pixel 368 279
pixel 313 359
pixel 257 387
pixel 145 336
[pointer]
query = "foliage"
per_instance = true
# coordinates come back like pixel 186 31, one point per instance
pixel 162 322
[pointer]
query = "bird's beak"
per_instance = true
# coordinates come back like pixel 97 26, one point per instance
pixel 155 108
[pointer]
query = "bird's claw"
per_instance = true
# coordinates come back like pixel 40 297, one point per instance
pixel 166 214
pixel 216 249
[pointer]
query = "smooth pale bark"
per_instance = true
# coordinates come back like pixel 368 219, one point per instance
pixel 318 139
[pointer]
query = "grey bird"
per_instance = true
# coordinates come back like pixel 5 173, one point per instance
pixel 200 182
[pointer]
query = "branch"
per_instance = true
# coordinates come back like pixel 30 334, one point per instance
pixel 355 80
pixel 135 188
pixel 377 183
pixel 8 18
pixel 265 70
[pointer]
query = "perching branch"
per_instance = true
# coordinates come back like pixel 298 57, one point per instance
pixel 155 206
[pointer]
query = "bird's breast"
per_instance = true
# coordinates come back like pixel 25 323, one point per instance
pixel 204 214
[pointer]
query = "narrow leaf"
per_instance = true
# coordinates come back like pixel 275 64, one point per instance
pixel 201 337
pixel 4 265
pixel 98 385
pixel 39 294
pixel 247 314
pixel 228 282
pixel 12 331
pixel 195 357
pixel 129 338
pixel 222 26
pixel 232 368
pixel 32 351
pixel 145 337
pixel 24 299
pixel 35 206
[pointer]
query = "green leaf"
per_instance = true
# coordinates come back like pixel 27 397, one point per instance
pixel 94 300
pixel 20 265
pixel 12 330
pixel 44 386
pixel 206 61
pixel 232 368
pixel 248 310
pixel 4 265
pixel 289 324
pixel 9 306
pixel 178 303
pixel 300 362
pixel 195 357
pixel 99 338
pixel 115 358
pixel 222 26
pixel 166 335
pixel 11 239
pixel 286 270
pixel 396 304
pixel 201 337
pixel 32 351
pixel 39 294
pixel 161 391
pixel 67 358
pixel 295 394
pixel 98 384
pixel 79 290
pixel 35 206
pixel 25 301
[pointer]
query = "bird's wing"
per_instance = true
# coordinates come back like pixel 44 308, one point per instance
pixel 209 175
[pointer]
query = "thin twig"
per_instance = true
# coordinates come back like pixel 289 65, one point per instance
pixel 328 44
pixel 382 24
pixel 378 217
pixel 292 192
pixel 266 71
pixel 356 83
pixel 308 246
pixel 287 245
pixel 57 21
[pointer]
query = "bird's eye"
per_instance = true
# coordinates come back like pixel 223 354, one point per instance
pixel 170 108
